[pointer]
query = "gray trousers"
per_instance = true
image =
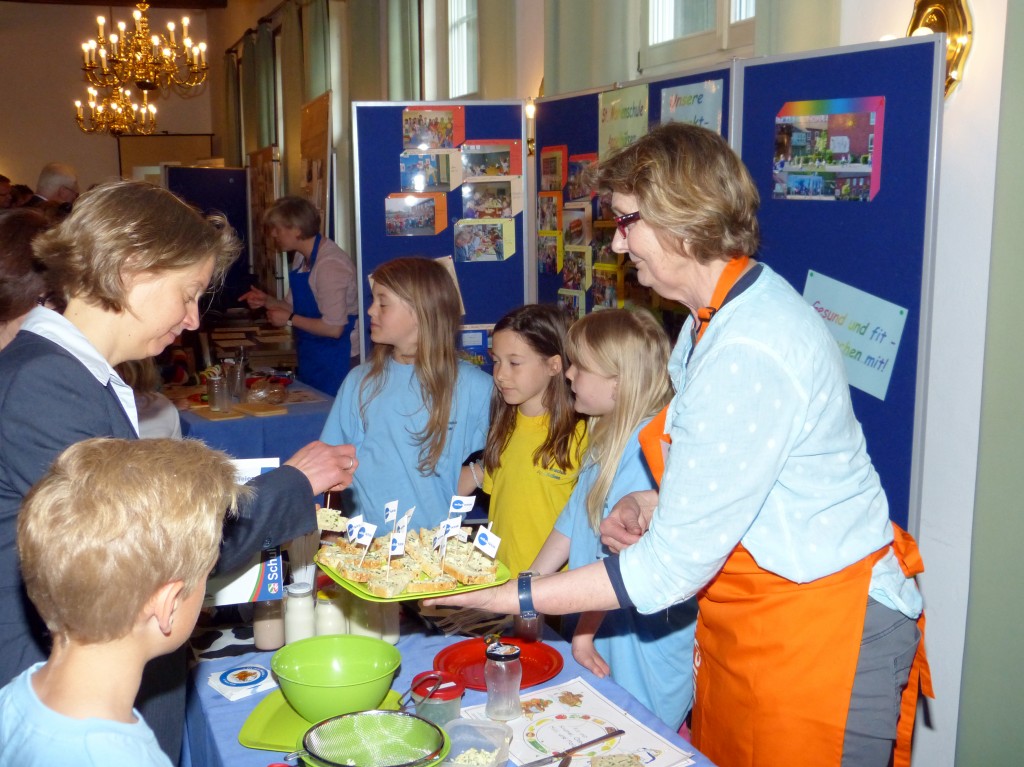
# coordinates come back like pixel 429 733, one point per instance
pixel 887 650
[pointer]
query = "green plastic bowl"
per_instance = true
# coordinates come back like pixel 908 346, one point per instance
pixel 327 676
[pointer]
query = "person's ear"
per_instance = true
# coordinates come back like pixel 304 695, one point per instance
pixel 554 365
pixel 164 604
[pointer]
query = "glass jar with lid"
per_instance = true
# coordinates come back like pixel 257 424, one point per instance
pixel 299 615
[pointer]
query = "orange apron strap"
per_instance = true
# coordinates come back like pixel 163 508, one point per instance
pixel 920 681
pixel 652 438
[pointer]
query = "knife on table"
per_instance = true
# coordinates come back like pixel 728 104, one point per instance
pixel 570 751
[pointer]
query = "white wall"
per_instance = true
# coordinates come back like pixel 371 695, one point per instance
pixel 954 383
pixel 39 92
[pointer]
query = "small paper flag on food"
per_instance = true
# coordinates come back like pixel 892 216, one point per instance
pixel 398 536
pixel 353 526
pixel 461 504
pixel 390 512
pixel 487 541
pixel 364 534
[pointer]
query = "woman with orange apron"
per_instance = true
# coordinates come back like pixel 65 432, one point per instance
pixel 769 510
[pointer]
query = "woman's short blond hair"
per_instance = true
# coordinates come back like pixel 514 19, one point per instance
pixel 112 521
pixel 691 188
pixel 126 228
pixel 294 211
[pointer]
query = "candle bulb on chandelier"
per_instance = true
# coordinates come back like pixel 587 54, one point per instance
pixel 92 53
pixel 170 28
pixel 78 109
pixel 184 28
pixel 202 55
pixel 85 53
pixel 100 21
pixel 113 46
pixel 137 15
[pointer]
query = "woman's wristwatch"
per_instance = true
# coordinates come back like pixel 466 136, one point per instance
pixel 288 324
pixel 526 609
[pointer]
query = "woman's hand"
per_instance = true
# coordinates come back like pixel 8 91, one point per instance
pixel 628 519
pixel 327 467
pixel 255 297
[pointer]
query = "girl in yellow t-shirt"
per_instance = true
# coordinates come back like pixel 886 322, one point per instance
pixel 536 438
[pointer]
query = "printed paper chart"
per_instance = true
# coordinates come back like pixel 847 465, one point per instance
pixel 559 717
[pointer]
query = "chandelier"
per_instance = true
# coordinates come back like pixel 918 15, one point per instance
pixel 139 59
pixel 116 114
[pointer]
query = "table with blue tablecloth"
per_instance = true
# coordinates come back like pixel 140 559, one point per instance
pixel 270 436
pixel 213 722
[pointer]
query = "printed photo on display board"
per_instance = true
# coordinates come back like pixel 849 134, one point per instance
pixel 605 290
pixel 492 199
pixel 604 208
pixel 484 239
pixel 576 267
pixel 492 157
pixel 829 150
pixel 429 171
pixel 549 253
pixel 582 168
pixel 549 211
pixel 604 233
pixel 572 302
pixel 553 161
pixel 695 103
pixel 415 214
pixel 576 224
pixel 433 127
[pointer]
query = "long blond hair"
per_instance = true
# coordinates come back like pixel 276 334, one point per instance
pixel 430 291
pixel 632 347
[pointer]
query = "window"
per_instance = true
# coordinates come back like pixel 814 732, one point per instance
pixel 695 31
pixel 462 48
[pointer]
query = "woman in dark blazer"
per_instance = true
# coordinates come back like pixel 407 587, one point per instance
pixel 132 261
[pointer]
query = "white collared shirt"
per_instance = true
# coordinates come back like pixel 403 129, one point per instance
pixel 54 327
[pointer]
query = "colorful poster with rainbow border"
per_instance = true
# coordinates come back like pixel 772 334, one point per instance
pixel 829 149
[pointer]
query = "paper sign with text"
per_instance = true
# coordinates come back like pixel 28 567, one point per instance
pixel 867 328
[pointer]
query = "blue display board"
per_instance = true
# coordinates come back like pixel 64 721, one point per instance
pixel 489 288
pixel 226 191
pixel 573 121
pixel 806 125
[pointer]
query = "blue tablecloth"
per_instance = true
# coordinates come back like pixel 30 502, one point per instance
pixel 274 436
pixel 213 722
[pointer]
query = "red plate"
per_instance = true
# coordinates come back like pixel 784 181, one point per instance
pixel 465 660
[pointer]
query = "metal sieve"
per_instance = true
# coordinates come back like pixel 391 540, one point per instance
pixel 373 739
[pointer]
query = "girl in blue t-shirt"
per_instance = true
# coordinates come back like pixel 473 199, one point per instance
pixel 414 411
pixel 618 373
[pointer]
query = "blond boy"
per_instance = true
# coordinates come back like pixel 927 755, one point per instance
pixel 116 542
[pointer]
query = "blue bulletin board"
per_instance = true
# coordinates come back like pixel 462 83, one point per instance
pixel 842 146
pixel 490 288
pixel 573 121
pixel 226 191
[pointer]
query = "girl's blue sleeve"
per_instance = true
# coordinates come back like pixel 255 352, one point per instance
pixel 344 425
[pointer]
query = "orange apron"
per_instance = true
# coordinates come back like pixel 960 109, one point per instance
pixel 775 660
